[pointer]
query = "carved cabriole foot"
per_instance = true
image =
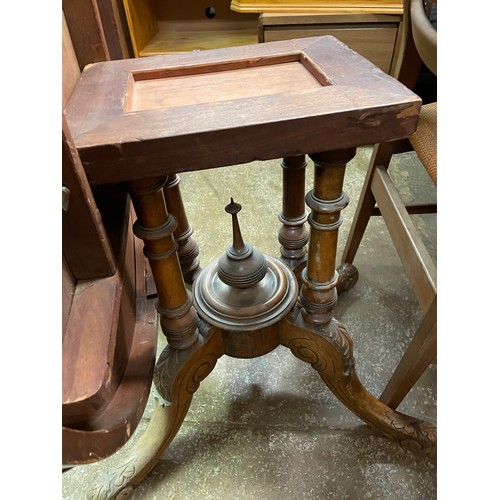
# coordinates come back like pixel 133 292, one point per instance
pixel 293 234
pixel 178 375
pixel 188 250
pixel 328 348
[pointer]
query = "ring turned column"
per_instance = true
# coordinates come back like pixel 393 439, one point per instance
pixel 326 200
pixel 188 250
pixel 293 234
pixel 155 226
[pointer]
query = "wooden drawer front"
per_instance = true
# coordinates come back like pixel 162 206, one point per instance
pixel 376 43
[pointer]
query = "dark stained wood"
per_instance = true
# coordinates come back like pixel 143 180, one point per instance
pixel 98 337
pixel 98 29
pixel 108 359
pixel 108 328
pixel 70 69
pixel 85 243
pixel 346 109
pixel 114 27
pixel 86 246
pixel 188 248
pixel 250 344
pixel 89 341
pixel 86 31
pixel 68 290
pixel 293 234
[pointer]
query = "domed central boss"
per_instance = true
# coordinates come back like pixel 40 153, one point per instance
pixel 244 290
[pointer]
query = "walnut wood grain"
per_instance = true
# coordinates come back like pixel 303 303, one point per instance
pixel 155 226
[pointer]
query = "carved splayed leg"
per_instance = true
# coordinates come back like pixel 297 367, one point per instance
pixel 314 335
pixel 178 375
pixel 328 348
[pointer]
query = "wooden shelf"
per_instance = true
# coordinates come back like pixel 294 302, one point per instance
pixel 165 27
pixel 319 6
pixel 186 36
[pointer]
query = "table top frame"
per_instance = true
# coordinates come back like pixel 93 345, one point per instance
pixel 355 104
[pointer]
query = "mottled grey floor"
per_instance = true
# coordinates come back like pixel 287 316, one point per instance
pixel 268 428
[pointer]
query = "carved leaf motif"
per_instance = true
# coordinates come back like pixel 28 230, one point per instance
pixel 342 341
pixel 421 430
pixel 116 479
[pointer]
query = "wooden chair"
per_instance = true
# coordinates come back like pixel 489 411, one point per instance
pixel 379 196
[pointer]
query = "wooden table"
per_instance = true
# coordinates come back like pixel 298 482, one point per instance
pixel 140 122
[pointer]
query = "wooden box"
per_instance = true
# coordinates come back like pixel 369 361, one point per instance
pixel 158 27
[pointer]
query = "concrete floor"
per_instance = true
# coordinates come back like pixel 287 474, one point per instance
pixel 268 428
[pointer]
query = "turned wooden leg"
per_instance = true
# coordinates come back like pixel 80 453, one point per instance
pixel 155 226
pixel 188 250
pixel 326 201
pixel 348 274
pixel 293 234
pixel 312 333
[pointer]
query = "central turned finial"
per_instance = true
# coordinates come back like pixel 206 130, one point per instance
pixel 245 291
pixel 239 247
pixel 242 266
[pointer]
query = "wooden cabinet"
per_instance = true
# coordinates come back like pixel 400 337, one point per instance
pixel 372 35
pixel 370 27
pixel 158 27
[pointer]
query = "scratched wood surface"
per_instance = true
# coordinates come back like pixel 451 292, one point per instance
pixel 355 104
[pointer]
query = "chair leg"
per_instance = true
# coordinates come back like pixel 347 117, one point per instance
pixel 381 155
pixel 421 352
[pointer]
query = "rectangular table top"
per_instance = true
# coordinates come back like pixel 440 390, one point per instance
pixel 150 116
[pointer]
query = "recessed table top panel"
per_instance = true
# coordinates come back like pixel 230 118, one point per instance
pixel 156 115
pixel 217 86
